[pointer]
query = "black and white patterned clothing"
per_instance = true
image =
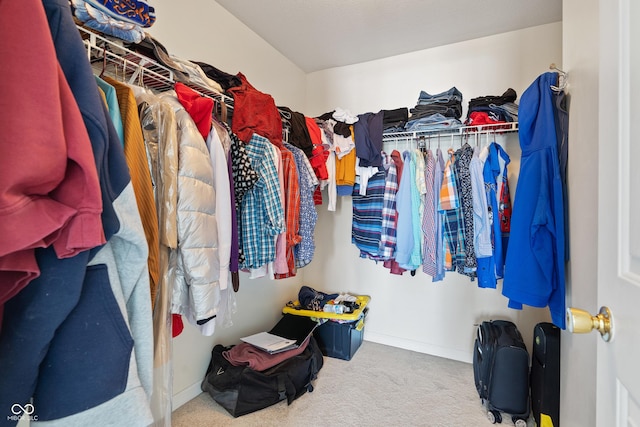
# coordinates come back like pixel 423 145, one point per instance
pixel 244 176
pixel 244 179
pixel 463 177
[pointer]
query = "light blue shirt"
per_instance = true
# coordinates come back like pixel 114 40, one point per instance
pixel 410 253
pixel 113 107
pixel 481 222
pixel 404 237
pixel 418 189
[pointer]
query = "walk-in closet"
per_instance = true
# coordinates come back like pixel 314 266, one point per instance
pixel 120 237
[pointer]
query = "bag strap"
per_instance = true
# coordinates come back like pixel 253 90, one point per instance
pixel 313 374
pixel 221 115
pixel 223 111
pixel 282 388
pixel 286 389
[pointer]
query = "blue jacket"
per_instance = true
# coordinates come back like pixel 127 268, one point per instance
pixel 490 269
pixel 534 266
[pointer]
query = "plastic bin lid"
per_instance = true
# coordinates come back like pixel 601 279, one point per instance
pixel 362 300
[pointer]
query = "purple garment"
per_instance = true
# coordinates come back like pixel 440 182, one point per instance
pixel 233 264
pixel 259 360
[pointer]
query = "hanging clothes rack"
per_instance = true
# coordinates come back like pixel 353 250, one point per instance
pixel 422 135
pixel 107 55
pixel 131 67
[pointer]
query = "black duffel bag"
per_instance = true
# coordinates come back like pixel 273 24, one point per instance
pixel 241 390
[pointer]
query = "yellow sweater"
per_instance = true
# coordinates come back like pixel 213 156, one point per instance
pixel 136 157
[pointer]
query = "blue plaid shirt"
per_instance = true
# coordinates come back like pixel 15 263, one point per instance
pixel 262 214
pixel 387 248
pixel 366 226
pixel 452 219
pixel 305 250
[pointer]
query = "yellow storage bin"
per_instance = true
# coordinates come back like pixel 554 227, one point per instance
pixel 340 335
pixel 362 301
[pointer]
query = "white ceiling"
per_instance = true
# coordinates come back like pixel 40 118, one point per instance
pixel 320 34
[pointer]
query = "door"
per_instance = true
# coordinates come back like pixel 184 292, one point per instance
pixel 618 376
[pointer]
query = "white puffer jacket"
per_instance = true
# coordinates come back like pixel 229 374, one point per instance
pixel 195 265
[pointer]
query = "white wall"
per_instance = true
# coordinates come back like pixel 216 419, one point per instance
pixel 485 66
pixel 202 30
pixel 581 60
pixel 412 312
pixel 206 32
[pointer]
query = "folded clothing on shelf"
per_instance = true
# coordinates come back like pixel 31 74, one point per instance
pixel 125 20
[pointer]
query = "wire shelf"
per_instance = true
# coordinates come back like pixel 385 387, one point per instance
pixel 463 131
pixel 109 57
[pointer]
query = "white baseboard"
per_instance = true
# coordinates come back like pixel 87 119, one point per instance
pixel 420 347
pixel 185 395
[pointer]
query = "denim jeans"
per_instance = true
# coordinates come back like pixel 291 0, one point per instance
pixel 453 109
pixel 433 122
pixel 452 94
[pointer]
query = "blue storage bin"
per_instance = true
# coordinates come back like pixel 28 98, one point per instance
pixel 340 340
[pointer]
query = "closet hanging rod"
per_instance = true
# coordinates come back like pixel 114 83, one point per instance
pixel 498 128
pixel 126 69
pixel 137 68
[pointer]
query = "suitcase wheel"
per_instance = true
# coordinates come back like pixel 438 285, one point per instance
pixel 494 417
pixel 519 422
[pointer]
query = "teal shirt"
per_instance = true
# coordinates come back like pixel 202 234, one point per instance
pixel 113 106
pixel 418 189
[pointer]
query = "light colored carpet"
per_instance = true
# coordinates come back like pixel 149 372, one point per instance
pixel 380 386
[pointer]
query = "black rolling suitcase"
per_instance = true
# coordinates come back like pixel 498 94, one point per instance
pixel 545 375
pixel 501 371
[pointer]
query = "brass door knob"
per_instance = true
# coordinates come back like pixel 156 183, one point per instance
pixel 581 322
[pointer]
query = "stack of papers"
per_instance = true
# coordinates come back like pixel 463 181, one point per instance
pixel 269 342
pixel 289 333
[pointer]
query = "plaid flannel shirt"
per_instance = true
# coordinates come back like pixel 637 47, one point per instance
pixel 387 247
pixel 262 215
pixel 292 210
pixel 305 249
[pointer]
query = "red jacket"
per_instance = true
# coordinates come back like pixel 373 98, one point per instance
pixel 255 112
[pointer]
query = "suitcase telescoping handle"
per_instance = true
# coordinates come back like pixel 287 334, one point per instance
pixel 485 332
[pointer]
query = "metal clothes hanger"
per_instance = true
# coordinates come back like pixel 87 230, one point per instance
pixel 104 61
pixel 421 143
pixel 562 78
